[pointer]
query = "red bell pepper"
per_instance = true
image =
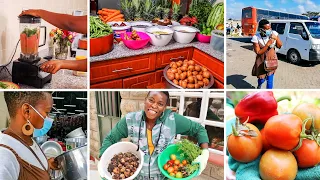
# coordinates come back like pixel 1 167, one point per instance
pixel 257 107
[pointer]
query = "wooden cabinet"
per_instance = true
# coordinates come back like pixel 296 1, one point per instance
pixel 116 84
pixel 164 58
pixel 159 76
pixel 139 82
pixel 119 68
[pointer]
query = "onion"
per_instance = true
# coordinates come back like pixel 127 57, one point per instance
pixel 189 73
pixel 196 86
pixel 199 77
pixel 183 75
pixel 200 83
pixel 174 70
pixel 184 68
pixel 172 63
pixel 179 64
pixel 205 81
pixel 195 73
pixel 184 84
pixel 197 68
pixel 177 76
pixel 170 76
pixel 179 71
pixel 175 82
pixel 204 69
pixel 206 74
pixel 191 68
pixel 190 86
pixel 190 79
pixel 191 62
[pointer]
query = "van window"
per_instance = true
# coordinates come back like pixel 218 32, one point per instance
pixel 279 27
pixel 296 28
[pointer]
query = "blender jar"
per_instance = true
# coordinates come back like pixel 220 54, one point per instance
pixel 29 37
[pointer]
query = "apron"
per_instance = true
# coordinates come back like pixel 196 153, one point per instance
pixel 28 171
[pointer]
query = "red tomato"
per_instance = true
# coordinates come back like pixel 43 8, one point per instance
pixel 245 148
pixel 278 164
pixel 180 165
pixel 176 162
pixel 308 155
pixel 170 169
pixel 184 162
pixel 307 110
pixel 165 167
pixel 170 162
pixel 283 131
pixel 266 146
pixel 175 167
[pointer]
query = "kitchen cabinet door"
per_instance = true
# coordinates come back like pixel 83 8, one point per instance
pixel 159 76
pixel 215 66
pixel 123 67
pixel 164 58
pixel 140 81
pixel 115 84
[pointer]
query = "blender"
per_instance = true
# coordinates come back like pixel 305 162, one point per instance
pixel 26 69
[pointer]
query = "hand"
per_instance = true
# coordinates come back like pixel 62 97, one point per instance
pixel 271 41
pixel 52 66
pixel 32 12
pixel 53 164
pixel 273 36
pixel 202 160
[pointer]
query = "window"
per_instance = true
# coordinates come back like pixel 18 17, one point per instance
pixel 296 28
pixel 246 13
pixel 206 108
pixel 284 16
pixel 292 16
pixel 279 27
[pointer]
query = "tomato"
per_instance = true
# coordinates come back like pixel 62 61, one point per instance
pixel 184 162
pixel 170 169
pixel 180 165
pixel 175 167
pixel 172 174
pixel 176 162
pixel 245 148
pixel 307 110
pixel 283 131
pixel 165 167
pixel 179 175
pixel 308 155
pixel 265 145
pixel 170 162
pixel 278 164
pixel 173 157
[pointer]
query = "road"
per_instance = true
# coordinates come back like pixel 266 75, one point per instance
pixel 240 59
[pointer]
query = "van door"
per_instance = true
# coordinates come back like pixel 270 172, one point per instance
pixel 294 40
pixel 281 29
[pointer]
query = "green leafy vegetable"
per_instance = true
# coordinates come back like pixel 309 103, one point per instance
pixel 200 9
pixel 190 151
pixel 98 28
pixel 29 32
pixel 3 85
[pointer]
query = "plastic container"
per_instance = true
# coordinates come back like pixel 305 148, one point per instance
pixel 76 133
pixel 118 30
pixel 164 157
pixel 116 149
pixel 203 38
pixel 217 41
pixel 136 44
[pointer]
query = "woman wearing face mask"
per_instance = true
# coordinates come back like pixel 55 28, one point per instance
pixel 21 157
pixel 263 41
pixel 156 127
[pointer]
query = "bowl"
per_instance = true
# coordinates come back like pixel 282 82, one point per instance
pixel 82 44
pixel 116 149
pixel 72 143
pixel 171 85
pixel 203 38
pixel 164 157
pixel 51 149
pixel 101 45
pixel 76 133
pixel 119 29
pixel 136 44
pixel 41 139
pixel 140 25
pixel 157 39
pixel 184 34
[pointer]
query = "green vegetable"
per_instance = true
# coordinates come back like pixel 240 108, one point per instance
pixel 98 28
pixel 192 168
pixel 3 85
pixel 190 151
pixel 29 32
pixel 200 9
pixel 216 16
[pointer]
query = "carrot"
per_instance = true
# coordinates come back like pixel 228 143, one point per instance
pixel 113 15
pixel 110 10
pixel 121 20
pixel 116 17
pixel 100 11
pixel 104 13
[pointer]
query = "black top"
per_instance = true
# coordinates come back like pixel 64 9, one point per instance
pixel 29 19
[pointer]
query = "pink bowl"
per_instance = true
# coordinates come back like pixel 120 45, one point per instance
pixel 203 38
pixel 136 44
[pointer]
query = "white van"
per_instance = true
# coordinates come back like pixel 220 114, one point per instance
pixel 300 38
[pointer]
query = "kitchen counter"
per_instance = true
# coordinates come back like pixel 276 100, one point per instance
pixel 121 51
pixel 63 79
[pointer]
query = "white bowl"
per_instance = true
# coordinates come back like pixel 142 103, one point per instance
pixel 51 149
pixel 76 133
pixel 159 39
pixel 116 149
pixel 135 25
pixel 184 34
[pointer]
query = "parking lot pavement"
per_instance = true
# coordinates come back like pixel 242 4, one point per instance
pixel 240 59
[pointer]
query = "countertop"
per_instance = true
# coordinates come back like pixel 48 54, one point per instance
pixel 63 79
pixel 121 51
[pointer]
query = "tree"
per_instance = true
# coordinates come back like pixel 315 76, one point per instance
pixel 311 14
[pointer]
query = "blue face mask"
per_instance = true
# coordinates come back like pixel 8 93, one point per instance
pixel 268 32
pixel 46 125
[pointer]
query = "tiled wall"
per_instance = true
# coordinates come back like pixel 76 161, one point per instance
pixel 9 22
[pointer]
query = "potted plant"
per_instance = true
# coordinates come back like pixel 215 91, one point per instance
pixel 62 39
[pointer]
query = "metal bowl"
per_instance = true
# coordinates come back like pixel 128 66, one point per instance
pixel 72 143
pixel 171 85
pixel 74 164
pixel 51 149
pixel 41 139
pixel 76 133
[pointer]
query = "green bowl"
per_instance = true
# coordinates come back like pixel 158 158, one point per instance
pixel 164 157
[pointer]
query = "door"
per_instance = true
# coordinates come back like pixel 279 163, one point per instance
pixel 282 30
pixel 294 40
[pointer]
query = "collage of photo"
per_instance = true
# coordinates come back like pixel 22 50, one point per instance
pixel 160 89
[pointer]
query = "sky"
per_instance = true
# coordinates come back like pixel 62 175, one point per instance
pixel 234 7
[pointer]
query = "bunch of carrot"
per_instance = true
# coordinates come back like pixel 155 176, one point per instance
pixel 109 15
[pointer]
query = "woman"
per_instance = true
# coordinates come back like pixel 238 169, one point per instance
pixel 67 22
pixel 156 128
pixel 263 41
pixel 21 157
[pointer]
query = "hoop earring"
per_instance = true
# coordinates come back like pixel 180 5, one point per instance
pixel 27 128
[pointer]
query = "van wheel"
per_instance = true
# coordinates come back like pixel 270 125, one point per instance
pixel 294 56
